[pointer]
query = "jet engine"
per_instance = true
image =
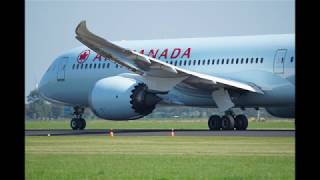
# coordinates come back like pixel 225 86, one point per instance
pixel 121 98
pixel 282 112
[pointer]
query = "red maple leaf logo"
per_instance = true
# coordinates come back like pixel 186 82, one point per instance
pixel 83 56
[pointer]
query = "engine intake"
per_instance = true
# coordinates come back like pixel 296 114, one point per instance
pixel 122 98
pixel 142 101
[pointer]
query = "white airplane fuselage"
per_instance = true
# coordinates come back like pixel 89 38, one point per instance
pixel 267 61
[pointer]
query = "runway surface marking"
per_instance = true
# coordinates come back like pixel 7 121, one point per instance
pixel 159 132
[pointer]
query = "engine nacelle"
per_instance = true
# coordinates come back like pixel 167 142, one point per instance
pixel 121 98
pixel 282 112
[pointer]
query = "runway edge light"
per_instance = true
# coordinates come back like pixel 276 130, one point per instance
pixel 172 132
pixel 110 133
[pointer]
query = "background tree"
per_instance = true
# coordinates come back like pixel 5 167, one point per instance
pixel 37 108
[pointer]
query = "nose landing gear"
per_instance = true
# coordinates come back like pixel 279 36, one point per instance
pixel 77 122
pixel 228 122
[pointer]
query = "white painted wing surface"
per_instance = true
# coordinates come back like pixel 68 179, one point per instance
pixel 148 66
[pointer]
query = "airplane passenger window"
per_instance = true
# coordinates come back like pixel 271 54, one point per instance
pixel 212 61
pixel 117 65
pixel 194 62
pixel 90 66
pixel 208 62
pixel 222 61
pixel 251 60
pixel 261 60
pixel 257 59
pixel 108 65
pixel 291 59
pixel 247 60
pixel 86 66
pixel 81 66
pixel 73 66
pixel 180 63
pixel 175 63
pixel 203 62
pixel 218 61
pixel 99 66
pixel 185 62
pixel 199 61
pixel 189 62
pixel 232 61
pixel 166 61
pixel 103 65
pixel 227 61
pixel 242 60
pixel 94 66
pixel 237 60
pixel 77 66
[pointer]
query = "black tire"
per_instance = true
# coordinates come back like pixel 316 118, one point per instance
pixel 241 122
pixel 214 122
pixel 227 122
pixel 83 123
pixel 75 124
pixel 210 124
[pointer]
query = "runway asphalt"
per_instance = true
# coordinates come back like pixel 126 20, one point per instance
pixel 159 132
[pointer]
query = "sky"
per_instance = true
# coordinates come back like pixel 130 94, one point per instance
pixel 50 25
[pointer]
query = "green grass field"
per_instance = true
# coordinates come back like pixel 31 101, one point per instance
pixel 103 157
pixel 151 123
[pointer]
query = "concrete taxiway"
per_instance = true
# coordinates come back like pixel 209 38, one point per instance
pixel 159 132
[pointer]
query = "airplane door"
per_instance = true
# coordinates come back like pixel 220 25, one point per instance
pixel 62 70
pixel 279 58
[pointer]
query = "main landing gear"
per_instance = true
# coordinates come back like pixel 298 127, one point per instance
pixel 228 122
pixel 77 122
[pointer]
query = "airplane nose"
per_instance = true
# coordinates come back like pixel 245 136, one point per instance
pixel 43 87
pixel 46 80
pixel 40 87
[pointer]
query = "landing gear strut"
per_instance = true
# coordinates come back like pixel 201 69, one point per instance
pixel 228 122
pixel 77 122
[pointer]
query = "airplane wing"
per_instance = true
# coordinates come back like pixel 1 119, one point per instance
pixel 155 70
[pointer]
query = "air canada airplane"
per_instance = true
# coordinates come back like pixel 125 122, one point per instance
pixel 126 80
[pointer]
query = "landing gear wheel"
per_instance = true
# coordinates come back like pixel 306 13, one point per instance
pixel 214 122
pixel 75 123
pixel 83 123
pixel 227 122
pixel 241 122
